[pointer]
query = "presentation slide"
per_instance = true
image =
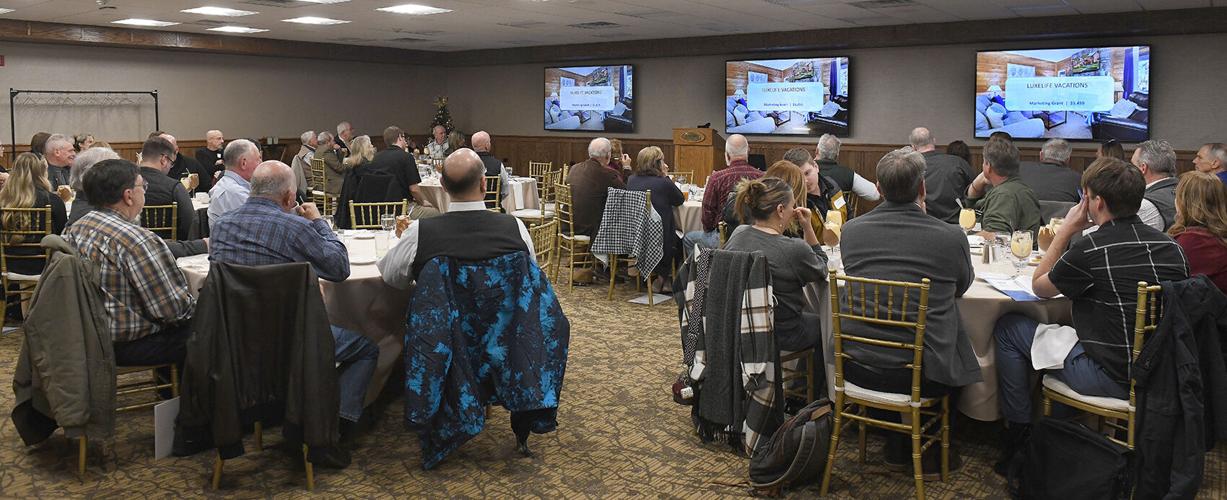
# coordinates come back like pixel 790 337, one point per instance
pixel 590 98
pixel 787 96
pixel 1079 93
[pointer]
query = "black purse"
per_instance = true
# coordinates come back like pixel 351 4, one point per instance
pixel 796 454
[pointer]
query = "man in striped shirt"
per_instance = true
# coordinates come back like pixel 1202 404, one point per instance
pixel 1100 274
pixel 145 295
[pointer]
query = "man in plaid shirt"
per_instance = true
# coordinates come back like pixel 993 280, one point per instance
pixel 145 295
pixel 722 182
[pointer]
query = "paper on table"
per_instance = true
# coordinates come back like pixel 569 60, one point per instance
pixel 1016 287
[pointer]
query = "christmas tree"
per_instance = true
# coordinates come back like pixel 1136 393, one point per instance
pixel 442 115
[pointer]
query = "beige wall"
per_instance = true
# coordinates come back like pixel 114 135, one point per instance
pixel 893 90
pixel 244 96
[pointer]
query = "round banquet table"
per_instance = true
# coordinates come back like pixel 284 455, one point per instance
pixel 979 309
pixel 523 194
pixel 689 216
pixel 363 303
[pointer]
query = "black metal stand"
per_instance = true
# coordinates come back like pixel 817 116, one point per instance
pixel 13 93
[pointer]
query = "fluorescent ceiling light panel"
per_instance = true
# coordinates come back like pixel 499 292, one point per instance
pixel 219 11
pixel 148 23
pixel 237 29
pixel 5 11
pixel 314 20
pixel 413 9
pixel 324 1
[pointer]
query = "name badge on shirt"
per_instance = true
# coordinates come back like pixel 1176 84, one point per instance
pixel 839 202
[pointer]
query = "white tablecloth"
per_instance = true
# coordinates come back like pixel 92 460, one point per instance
pixel 689 216
pixel 363 303
pixel 523 194
pixel 979 309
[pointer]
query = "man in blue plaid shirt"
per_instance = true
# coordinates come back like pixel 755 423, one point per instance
pixel 271 228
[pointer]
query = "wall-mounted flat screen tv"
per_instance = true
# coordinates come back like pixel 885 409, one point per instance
pixel 590 98
pixel 787 96
pixel 1087 93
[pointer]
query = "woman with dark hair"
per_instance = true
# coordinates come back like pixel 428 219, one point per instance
pixel 768 207
pixel 650 176
pixel 959 149
pixel 82 142
pixel 37 142
pixel 28 187
pixel 1201 225
pixel 1111 148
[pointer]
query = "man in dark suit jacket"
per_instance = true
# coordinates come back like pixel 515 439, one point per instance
pixel 183 166
pixel 946 177
pixel 210 156
pixel 589 183
pixel 1051 178
pixel 157 156
pixel 898 241
pixel 397 163
pixel 494 167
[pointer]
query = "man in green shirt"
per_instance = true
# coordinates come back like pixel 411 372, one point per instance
pixel 1007 203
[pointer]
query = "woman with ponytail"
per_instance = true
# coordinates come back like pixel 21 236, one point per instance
pixel 768 207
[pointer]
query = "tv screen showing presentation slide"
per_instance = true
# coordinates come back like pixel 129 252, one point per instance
pixel 787 96
pixel 590 98
pixel 1096 93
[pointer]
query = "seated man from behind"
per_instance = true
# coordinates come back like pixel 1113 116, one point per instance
pixel 716 193
pixel 946 177
pixel 146 299
pixel 271 228
pixel 899 241
pixel 590 182
pixel 1010 205
pixel 1100 273
pixel 1051 178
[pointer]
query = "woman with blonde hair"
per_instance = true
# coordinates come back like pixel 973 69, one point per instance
pixel 1201 225
pixel 792 175
pixel 650 176
pixel 28 187
pixel 361 151
pixel 769 206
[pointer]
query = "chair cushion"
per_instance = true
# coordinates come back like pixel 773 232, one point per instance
pixel 1053 384
pixel 858 392
pixel 22 277
pixel 578 237
pixel 531 213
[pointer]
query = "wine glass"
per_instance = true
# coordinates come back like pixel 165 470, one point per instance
pixel 1020 246
pixel 681 179
pixel 967 219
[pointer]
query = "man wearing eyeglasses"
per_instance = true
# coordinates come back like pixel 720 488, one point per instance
pixel 146 302
pixel 157 158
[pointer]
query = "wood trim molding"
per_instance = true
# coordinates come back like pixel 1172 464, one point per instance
pixel 1025 29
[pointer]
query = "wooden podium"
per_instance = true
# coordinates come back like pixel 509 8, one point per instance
pixel 700 150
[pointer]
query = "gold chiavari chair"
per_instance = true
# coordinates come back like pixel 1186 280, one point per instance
pixel 162 220
pixel 613 264
pixel 723 228
pixel 536 216
pixel 1149 310
pixel 537 169
pixel 545 239
pixel 886 304
pixel 494 193
pixel 20 242
pixel 566 173
pixel 575 245
pixel 319 180
pixel 680 175
pixel 367 215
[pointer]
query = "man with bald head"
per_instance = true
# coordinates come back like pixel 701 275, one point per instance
pixel 946 177
pixel 210 156
pixel 272 228
pixel 589 183
pixel 467 231
pixel 231 190
pixel 183 166
pixel 722 182
pixel 494 166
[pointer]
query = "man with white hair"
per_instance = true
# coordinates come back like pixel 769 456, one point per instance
pixel 1051 178
pixel 1212 159
pixel 1157 161
pixel 210 156
pixel 59 156
pixel 302 163
pixel 272 228
pixel 589 182
pixel 231 191
pixel 946 177
pixel 826 155
pixel 345 133
pixel 438 148
pixel 722 182
pixel 334 169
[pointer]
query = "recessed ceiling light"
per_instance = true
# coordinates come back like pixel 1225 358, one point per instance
pixel 237 29
pixel 5 11
pixel 413 9
pixel 219 11
pixel 324 1
pixel 149 23
pixel 314 20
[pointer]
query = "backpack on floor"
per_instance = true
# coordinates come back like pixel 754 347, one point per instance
pixel 797 452
pixel 1063 460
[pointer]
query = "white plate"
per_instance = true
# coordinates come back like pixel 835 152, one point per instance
pixel 362 235
pixel 975 240
pixel 361 261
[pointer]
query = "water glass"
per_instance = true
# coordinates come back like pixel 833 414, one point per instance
pixel 381 244
pixel 387 222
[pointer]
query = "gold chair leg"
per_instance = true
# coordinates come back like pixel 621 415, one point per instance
pixel 1045 405
pixel 809 377
pixel 82 452
pixel 860 436
pixel 310 468
pixel 917 467
pixel 826 473
pixel 945 438
pixel 613 274
pixel 259 436
pixel 217 471
pixel 174 380
pixel 651 292
pixel 1129 430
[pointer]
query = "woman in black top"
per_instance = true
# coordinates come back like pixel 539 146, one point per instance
pixel 650 176
pixel 28 187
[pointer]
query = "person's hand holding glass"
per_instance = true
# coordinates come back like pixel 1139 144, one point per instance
pixel 1020 246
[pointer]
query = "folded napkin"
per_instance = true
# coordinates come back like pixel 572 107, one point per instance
pixel 1051 346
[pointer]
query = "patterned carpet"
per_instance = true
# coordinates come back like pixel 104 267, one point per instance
pixel 619 435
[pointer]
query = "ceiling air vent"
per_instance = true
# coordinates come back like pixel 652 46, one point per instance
pixel 284 4
pixel 595 25
pixel 523 24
